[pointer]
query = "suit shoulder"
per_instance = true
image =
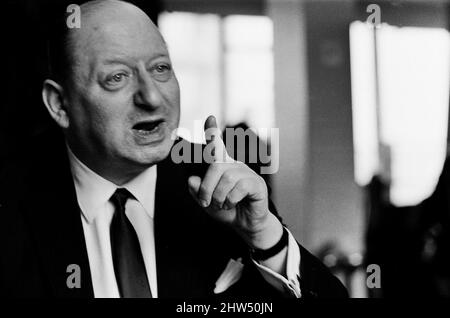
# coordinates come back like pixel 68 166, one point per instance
pixel 12 176
pixel 18 172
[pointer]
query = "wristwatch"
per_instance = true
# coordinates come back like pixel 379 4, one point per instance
pixel 263 254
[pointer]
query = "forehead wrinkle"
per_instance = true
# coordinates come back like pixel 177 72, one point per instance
pixel 103 47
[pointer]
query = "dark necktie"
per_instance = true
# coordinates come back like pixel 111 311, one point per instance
pixel 128 262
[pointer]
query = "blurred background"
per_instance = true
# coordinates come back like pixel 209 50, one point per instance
pixel 359 91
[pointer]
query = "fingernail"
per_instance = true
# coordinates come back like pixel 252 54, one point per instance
pixel 204 203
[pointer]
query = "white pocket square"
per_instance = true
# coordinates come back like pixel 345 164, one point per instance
pixel 229 276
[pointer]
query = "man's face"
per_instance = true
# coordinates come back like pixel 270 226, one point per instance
pixel 124 101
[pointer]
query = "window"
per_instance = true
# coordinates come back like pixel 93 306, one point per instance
pixel 224 66
pixel 413 89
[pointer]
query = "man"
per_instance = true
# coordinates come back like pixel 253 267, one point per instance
pixel 105 212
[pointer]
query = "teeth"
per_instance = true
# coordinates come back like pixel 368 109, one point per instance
pixel 145 132
pixel 148 131
pixel 147 126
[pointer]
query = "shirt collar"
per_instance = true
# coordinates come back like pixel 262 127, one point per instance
pixel 93 191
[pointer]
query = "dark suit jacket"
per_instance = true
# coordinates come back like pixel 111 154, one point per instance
pixel 41 234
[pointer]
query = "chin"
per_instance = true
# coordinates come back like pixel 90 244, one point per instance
pixel 153 155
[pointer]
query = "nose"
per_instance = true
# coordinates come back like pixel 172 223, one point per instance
pixel 148 94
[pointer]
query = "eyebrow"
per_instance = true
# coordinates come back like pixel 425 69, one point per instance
pixel 119 60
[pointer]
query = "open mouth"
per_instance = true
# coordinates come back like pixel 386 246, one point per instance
pixel 148 127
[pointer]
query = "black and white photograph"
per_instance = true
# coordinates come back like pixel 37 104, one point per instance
pixel 227 156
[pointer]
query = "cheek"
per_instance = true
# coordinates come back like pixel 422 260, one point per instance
pixel 176 89
pixel 172 93
pixel 103 114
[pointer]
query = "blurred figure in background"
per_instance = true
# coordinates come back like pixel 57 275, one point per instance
pixel 411 244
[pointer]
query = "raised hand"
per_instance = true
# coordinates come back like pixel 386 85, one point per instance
pixel 233 193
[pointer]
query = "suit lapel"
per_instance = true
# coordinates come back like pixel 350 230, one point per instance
pixel 54 218
pixel 172 268
pixel 179 222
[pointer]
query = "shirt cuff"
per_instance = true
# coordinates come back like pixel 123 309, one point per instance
pixel 289 285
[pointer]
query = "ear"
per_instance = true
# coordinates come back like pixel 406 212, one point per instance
pixel 53 97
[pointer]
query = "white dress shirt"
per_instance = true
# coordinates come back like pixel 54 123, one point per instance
pixel 93 195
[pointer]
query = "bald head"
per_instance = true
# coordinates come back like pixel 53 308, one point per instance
pixel 100 12
pixel 65 43
pixel 109 26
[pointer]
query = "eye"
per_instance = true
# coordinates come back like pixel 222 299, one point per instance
pixel 117 79
pixel 162 68
pixel 162 71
